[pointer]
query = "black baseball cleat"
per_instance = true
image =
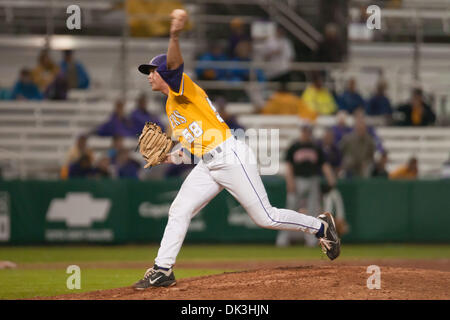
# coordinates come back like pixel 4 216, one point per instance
pixel 330 242
pixel 156 277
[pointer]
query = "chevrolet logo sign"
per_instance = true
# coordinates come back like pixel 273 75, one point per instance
pixel 78 209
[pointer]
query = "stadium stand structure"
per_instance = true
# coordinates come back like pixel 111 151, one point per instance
pixel 35 136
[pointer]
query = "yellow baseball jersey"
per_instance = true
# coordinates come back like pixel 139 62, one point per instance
pixel 194 120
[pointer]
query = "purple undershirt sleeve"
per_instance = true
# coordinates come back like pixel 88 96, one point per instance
pixel 172 77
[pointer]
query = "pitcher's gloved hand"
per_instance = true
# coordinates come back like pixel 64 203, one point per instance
pixel 154 144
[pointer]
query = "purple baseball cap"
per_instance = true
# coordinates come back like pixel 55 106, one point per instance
pixel 154 63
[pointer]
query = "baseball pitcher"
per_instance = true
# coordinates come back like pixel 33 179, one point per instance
pixel 226 163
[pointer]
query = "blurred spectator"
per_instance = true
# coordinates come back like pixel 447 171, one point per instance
pixel 103 168
pixel 337 98
pixel 116 146
pixel 358 148
pixel 305 162
pixel 25 89
pixel 407 171
pixel 319 98
pixel 5 93
pixel 360 116
pixel 211 72
pixel 79 149
pixel 45 71
pixel 141 115
pixel 357 28
pixel 238 34
pixel 379 104
pixel 333 202
pixel 341 128
pixel 330 150
pixel 117 124
pixel 82 168
pixel 278 52
pixel 178 170
pixel 243 53
pixel 445 173
pixel 127 167
pixel 331 49
pixel 350 98
pixel 76 74
pixel 363 15
pixel 416 112
pixel 332 198
pixel 285 102
pixel 229 119
pixel 57 90
pixel 379 169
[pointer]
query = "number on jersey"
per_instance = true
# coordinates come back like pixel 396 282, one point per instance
pixel 193 132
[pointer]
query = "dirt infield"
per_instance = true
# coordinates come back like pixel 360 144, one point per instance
pixel 312 280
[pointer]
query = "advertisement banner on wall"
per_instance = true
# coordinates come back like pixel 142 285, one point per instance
pixel 120 211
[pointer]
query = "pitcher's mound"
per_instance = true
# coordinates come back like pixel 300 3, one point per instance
pixel 300 282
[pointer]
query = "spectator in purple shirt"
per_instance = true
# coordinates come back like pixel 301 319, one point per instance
pixel 331 150
pixel 127 167
pixel 141 115
pixel 117 124
pixel 58 88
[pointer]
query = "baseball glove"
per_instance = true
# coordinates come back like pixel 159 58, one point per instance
pixel 154 144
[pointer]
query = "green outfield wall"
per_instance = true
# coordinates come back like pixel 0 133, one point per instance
pixel 120 211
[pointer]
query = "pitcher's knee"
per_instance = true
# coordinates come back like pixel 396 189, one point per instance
pixel 179 211
pixel 266 223
pixel 262 218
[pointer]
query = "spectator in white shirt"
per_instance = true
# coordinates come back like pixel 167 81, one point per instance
pixel 279 52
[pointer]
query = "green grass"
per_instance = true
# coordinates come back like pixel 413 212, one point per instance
pixel 214 252
pixel 51 280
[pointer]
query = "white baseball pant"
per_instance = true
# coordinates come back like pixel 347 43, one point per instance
pixel 235 169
